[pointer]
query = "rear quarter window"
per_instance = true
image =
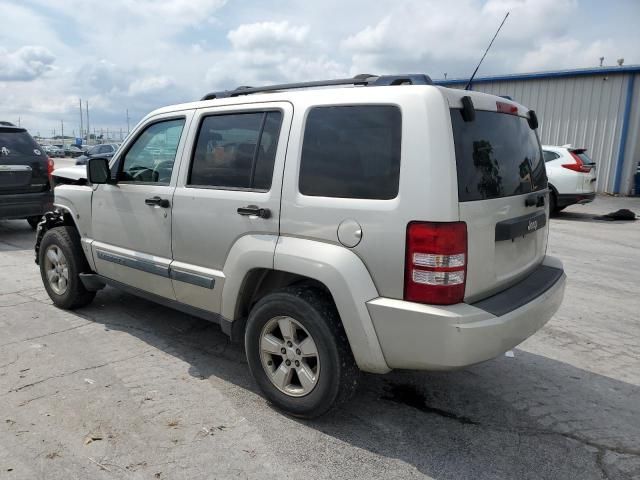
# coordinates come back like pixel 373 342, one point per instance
pixel 497 155
pixel 352 152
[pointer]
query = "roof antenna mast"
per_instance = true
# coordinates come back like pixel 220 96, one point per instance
pixel 485 52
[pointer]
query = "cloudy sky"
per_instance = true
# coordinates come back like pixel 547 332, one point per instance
pixel 142 54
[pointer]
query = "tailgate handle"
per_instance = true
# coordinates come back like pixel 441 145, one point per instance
pixel 520 226
pixel 534 201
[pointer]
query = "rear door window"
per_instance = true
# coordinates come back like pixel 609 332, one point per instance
pixel 352 152
pixel 497 155
pixel 14 142
pixel 236 151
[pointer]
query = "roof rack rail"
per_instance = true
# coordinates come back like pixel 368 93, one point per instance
pixel 362 79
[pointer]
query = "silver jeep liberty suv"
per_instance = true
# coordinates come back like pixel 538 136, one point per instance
pixel 364 224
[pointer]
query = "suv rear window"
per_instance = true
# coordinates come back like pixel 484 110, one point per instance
pixel 497 155
pixel 585 158
pixel 352 152
pixel 17 142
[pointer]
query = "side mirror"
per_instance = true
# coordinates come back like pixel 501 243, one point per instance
pixel 98 171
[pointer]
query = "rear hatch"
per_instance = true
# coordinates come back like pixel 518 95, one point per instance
pixel 586 181
pixel 23 164
pixel 502 192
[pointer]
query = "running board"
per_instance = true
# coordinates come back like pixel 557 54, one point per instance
pixel 234 329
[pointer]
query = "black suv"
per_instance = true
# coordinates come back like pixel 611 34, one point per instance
pixel 25 170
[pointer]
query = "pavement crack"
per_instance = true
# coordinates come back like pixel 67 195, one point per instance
pixel 44 335
pixel 600 463
pixel 26 402
pixel 410 396
pixel 10 363
pixel 66 374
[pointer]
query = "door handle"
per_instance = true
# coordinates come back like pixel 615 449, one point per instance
pixel 157 201
pixel 254 210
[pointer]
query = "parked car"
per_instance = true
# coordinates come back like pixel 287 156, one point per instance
pixel 572 176
pixel 53 151
pixel 407 228
pixel 106 150
pixel 25 171
pixel 72 151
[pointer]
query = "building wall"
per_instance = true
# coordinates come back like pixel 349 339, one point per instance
pixel 585 111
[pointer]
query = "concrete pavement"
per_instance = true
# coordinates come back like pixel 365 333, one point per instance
pixel 127 389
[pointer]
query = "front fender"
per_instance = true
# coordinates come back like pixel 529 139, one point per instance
pixel 55 218
pixel 350 284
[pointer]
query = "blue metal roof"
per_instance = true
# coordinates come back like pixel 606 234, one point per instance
pixel 541 75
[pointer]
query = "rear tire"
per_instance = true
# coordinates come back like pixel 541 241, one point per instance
pixel 317 370
pixel 61 262
pixel 34 221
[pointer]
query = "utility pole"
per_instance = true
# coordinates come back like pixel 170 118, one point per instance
pixel 128 130
pixel 18 121
pixel 88 130
pixel 62 125
pixel 81 126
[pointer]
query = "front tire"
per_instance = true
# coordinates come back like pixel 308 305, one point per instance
pixel 298 352
pixel 61 262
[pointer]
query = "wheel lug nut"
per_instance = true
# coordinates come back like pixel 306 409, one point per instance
pixel 269 363
pixel 283 350
pixel 289 344
pixel 297 363
pixel 298 352
pixel 288 362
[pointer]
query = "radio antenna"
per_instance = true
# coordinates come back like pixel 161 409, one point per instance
pixel 485 52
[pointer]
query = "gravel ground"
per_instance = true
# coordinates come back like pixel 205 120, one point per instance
pixel 127 389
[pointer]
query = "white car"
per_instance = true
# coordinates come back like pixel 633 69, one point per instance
pixel 572 176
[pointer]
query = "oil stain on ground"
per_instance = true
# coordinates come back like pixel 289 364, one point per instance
pixel 410 396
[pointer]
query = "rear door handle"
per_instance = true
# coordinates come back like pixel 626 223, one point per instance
pixel 254 210
pixel 157 201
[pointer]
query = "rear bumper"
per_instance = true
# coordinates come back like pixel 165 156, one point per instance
pixel 23 205
pixel 566 199
pixel 431 337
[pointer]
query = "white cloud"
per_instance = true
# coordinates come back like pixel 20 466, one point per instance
pixel 421 33
pixel 179 13
pixel 25 63
pixel 142 54
pixel 567 53
pixel 148 85
pixel 268 35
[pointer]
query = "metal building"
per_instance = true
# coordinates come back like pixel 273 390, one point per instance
pixel 596 108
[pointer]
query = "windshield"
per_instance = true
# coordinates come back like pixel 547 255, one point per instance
pixel 497 155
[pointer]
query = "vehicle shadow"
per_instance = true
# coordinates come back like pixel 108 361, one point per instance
pixel 16 235
pixel 522 417
pixel 584 217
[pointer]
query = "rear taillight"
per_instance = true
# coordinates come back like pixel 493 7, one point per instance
pixel 50 167
pixel 436 262
pixel 579 166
